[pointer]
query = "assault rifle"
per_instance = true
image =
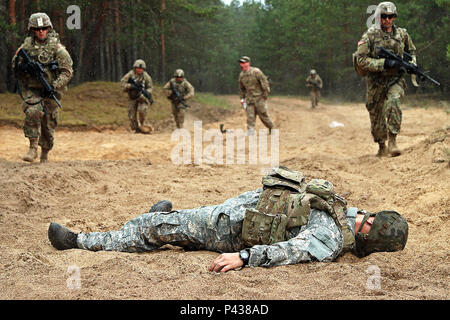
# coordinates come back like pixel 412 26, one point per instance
pixel 178 96
pixel 313 84
pixel 36 70
pixel 406 64
pixel 139 87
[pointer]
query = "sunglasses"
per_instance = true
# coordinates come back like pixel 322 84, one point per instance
pixel 388 16
pixel 40 29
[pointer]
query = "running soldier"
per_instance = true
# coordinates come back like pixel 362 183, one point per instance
pixel 135 82
pixel 385 80
pixel 40 104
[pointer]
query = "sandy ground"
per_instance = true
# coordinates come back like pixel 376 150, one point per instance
pixel 96 181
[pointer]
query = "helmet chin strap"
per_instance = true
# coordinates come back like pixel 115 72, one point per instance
pixel 367 215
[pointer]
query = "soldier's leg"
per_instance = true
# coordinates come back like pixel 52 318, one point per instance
pixel 263 113
pixel 178 115
pixel 48 126
pixel 32 124
pixel 190 229
pixel 251 117
pixel 132 108
pixel 377 113
pixel 394 117
pixel 142 112
pixel 312 98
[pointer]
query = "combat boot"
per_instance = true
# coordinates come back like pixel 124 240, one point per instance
pixel 382 151
pixel 161 206
pixel 32 151
pixel 62 238
pixel 44 155
pixel 392 146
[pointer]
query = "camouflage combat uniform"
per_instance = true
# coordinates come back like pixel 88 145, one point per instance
pixel 254 88
pixel 41 114
pixel 138 104
pixel 385 86
pixel 315 84
pixel 186 90
pixel 219 228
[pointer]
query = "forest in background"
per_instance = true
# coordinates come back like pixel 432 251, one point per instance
pixel 205 38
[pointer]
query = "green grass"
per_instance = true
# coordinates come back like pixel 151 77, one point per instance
pixel 96 104
pixel 212 100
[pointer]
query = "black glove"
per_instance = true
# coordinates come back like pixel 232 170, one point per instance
pixel 22 67
pixel 391 64
pixel 45 93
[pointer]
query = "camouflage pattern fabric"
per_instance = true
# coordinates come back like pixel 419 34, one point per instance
pixel 41 119
pixel 138 104
pixel 254 88
pixel 314 84
pixel 219 228
pixel 186 90
pixel 385 87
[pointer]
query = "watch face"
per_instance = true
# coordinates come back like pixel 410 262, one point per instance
pixel 244 254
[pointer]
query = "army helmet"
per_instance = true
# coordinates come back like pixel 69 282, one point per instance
pixel 389 232
pixel 179 73
pixel 387 7
pixel 313 71
pixel 39 20
pixel 139 63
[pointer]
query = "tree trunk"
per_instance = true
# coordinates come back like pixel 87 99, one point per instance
pixel 118 60
pixel 163 45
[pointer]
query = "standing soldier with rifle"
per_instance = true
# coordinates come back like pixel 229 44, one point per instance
pixel 314 82
pixel 138 83
pixel 385 77
pixel 43 68
pixel 178 90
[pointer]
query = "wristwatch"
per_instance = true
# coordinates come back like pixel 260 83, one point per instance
pixel 244 255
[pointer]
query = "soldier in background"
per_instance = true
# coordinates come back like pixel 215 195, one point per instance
pixel 138 105
pixel 385 81
pixel 41 113
pixel 254 91
pixel 315 84
pixel 246 234
pixel 185 89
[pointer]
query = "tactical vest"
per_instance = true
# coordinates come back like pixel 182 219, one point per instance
pixel 43 53
pixel 394 42
pixel 286 202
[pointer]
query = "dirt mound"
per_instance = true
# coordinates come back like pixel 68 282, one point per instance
pixel 97 181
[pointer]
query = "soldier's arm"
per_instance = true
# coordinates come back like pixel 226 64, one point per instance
pixel 190 91
pixel 149 83
pixel 410 48
pixel 307 245
pixel 124 81
pixel 65 70
pixel 264 83
pixel 319 80
pixel 363 58
pixel 242 91
pixel 167 89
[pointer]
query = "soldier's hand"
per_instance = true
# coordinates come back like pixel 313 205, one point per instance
pixel 391 63
pixel 226 262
